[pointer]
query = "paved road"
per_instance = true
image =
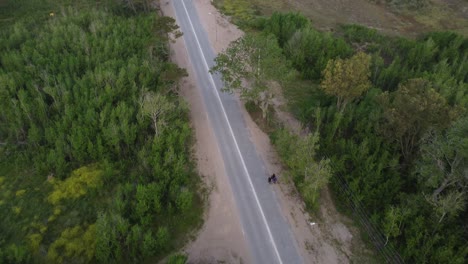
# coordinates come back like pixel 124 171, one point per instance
pixel 268 234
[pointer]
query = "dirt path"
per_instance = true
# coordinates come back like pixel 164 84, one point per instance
pixel 328 240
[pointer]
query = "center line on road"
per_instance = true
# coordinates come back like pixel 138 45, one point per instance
pixel 205 63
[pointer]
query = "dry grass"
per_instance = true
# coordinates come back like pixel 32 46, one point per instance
pixel 440 16
pixel 328 14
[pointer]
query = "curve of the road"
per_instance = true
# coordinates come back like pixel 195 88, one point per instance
pixel 268 234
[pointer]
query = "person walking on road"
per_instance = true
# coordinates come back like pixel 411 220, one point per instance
pixel 272 179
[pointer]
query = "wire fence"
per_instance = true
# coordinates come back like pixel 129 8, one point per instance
pixel 385 250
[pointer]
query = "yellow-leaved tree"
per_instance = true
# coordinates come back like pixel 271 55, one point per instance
pixel 77 185
pixel 347 79
pixel 75 244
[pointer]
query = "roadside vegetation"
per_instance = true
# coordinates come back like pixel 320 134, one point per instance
pixel 95 143
pixel 387 117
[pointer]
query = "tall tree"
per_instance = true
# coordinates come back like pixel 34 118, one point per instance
pixel 411 110
pixel 442 171
pixel 284 25
pixel 250 65
pixel 300 156
pixel 393 222
pixel 156 106
pixel 310 50
pixel 347 79
pixel 316 174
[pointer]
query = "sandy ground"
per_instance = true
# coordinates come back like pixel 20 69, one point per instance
pixel 327 240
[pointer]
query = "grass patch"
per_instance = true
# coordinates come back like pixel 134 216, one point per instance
pixel 439 17
pixel 242 12
pixel 17 10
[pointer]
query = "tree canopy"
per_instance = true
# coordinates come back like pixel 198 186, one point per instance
pixel 397 153
pixel 411 110
pixel 250 65
pixel 94 141
pixel 347 79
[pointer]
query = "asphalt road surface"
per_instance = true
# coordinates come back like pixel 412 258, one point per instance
pixel 267 233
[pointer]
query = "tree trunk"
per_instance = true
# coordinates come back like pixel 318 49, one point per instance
pixel 155 124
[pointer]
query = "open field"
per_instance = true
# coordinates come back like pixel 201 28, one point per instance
pixel 328 14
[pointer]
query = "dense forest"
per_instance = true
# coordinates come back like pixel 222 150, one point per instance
pixel 387 118
pixel 95 143
pixel 401 142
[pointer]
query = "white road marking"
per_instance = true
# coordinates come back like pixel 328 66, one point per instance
pixel 205 63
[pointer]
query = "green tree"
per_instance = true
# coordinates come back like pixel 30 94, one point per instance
pixel 162 238
pixel 393 222
pixel 284 25
pixel 157 107
pixel 449 204
pixel 315 174
pixel 111 232
pixel 16 254
pixel 443 169
pixel 310 50
pixel 137 5
pixel 347 79
pixel 410 111
pixel 149 246
pixel 184 200
pixel 444 160
pixel 105 238
pixel 177 259
pixel 251 65
pixel 299 155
